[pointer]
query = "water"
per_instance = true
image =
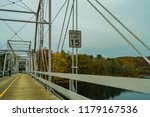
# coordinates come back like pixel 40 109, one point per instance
pixel 128 95
pixel 99 92
pixel 146 77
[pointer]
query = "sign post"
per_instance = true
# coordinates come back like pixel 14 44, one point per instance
pixel 74 42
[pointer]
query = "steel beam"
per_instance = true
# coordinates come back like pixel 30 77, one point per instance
pixel 50 40
pixel 16 11
pixel 36 27
pixel 13 20
pixel 128 83
pixel 11 47
pixel 16 50
pixel 19 41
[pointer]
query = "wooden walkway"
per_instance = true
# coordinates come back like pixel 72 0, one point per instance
pixel 23 87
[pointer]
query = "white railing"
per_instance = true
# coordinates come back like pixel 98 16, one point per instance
pixel 65 92
pixel 3 74
pixel 133 84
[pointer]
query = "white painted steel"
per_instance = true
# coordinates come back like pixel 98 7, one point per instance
pixel 69 94
pixel 133 84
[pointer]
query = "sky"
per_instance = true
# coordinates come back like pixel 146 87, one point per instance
pixel 98 37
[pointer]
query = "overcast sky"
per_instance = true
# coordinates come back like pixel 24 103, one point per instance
pixel 98 37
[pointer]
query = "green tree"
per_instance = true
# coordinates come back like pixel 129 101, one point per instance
pixel 2 61
pixel 85 64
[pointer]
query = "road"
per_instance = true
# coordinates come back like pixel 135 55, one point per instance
pixel 23 87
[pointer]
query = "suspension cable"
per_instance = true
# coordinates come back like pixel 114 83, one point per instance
pixel 59 12
pixel 73 13
pixel 67 28
pixel 136 49
pixel 63 25
pixel 76 14
pixel 55 17
pixel 136 37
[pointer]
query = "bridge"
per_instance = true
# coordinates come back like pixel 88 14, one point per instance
pixel 27 72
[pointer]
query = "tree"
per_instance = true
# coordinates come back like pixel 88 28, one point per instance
pixel 85 64
pixel 61 62
pixel 99 56
pixel 2 57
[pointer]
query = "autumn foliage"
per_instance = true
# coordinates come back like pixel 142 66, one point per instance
pixel 122 66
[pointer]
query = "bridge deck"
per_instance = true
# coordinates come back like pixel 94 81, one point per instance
pixel 23 87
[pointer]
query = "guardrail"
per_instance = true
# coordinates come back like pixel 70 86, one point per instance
pixel 133 84
pixel 67 93
pixel 3 74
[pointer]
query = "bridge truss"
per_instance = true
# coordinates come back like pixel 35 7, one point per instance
pixel 22 48
pixel 33 62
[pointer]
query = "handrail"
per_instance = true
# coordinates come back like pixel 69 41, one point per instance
pixel 2 74
pixel 128 83
pixel 69 94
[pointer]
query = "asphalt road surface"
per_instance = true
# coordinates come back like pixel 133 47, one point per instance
pixel 23 87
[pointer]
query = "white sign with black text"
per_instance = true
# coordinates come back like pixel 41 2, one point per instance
pixel 75 38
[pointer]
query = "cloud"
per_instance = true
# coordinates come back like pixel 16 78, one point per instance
pixel 97 35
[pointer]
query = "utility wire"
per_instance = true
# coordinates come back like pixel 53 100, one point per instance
pixel 136 37
pixel 63 25
pixel 145 58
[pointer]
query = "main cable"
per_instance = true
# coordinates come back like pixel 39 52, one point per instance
pixel 67 27
pixel 136 37
pixel 65 16
pixel 55 17
pixel 59 12
pixel 145 58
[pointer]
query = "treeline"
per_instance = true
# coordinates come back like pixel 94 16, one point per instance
pixel 1 61
pixel 88 64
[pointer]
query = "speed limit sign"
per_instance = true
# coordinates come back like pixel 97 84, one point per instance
pixel 75 38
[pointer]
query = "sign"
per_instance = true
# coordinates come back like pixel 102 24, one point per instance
pixel 75 38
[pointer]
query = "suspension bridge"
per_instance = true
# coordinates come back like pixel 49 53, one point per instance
pixel 27 72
